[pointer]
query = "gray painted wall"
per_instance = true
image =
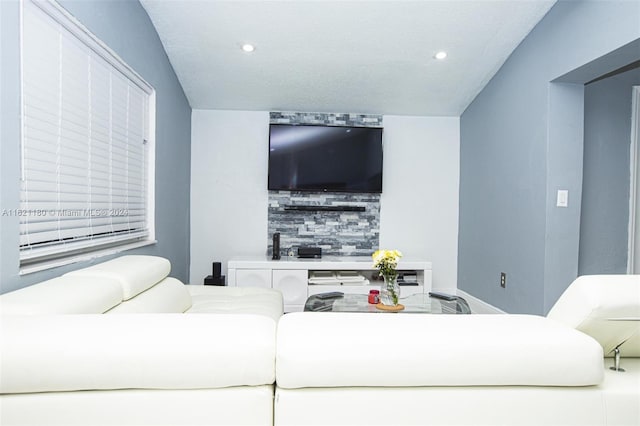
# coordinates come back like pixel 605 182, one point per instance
pixel 520 142
pixel 605 187
pixel 125 27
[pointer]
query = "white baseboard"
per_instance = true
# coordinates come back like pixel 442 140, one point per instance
pixel 479 306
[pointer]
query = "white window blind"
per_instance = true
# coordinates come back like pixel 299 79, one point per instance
pixel 85 141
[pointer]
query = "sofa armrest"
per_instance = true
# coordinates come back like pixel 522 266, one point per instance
pixel 606 307
pixel 135 351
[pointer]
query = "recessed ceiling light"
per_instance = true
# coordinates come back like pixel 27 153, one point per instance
pixel 248 47
pixel 440 55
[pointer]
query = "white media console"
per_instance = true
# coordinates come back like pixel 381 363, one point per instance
pixel 297 279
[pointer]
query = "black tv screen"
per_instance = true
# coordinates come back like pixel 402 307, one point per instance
pixel 325 158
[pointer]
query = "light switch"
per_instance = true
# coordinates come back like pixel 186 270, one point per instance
pixel 562 199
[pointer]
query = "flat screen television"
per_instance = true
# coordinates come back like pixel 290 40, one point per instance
pixel 325 158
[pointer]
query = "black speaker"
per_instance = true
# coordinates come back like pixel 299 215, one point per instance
pixel 276 246
pixel 217 269
pixel 211 280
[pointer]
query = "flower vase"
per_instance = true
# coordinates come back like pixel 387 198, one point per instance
pixel 390 292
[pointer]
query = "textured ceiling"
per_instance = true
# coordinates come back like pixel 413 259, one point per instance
pixel 340 56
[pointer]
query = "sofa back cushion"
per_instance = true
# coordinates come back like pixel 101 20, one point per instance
pixel 317 349
pixel 168 296
pixel 606 307
pixel 135 273
pixel 63 295
pixel 210 299
pixel 47 353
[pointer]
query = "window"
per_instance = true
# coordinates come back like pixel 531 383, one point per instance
pixel 87 142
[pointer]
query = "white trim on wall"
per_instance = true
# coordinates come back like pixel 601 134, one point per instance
pixel 633 264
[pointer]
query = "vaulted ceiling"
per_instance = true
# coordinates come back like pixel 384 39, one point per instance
pixel 340 56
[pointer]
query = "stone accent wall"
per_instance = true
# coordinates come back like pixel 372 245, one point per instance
pixel 336 232
pixel 359 120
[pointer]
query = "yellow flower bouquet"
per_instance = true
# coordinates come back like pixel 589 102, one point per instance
pixel 386 261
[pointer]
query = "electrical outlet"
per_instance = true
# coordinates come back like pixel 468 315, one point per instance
pixel 503 279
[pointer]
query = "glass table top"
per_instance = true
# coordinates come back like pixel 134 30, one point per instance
pixel 413 304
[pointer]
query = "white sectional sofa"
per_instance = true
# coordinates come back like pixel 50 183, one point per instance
pixel 65 362
pixel 466 369
pixel 119 343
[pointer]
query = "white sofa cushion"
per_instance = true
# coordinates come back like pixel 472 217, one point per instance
pixel 63 295
pixel 236 300
pixel 168 296
pixel 238 405
pixel 614 402
pixel 443 406
pixel 135 273
pixel 42 353
pixel 351 349
pixel 606 307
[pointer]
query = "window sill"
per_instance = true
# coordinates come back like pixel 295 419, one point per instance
pixel 43 266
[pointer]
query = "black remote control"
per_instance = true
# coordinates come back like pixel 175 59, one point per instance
pixel 331 295
pixel 444 296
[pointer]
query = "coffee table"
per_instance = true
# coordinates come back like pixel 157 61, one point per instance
pixel 414 304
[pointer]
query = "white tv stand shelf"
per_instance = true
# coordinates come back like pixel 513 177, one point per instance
pixel 291 276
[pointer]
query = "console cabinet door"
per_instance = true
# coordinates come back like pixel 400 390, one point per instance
pixel 293 285
pixel 253 278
